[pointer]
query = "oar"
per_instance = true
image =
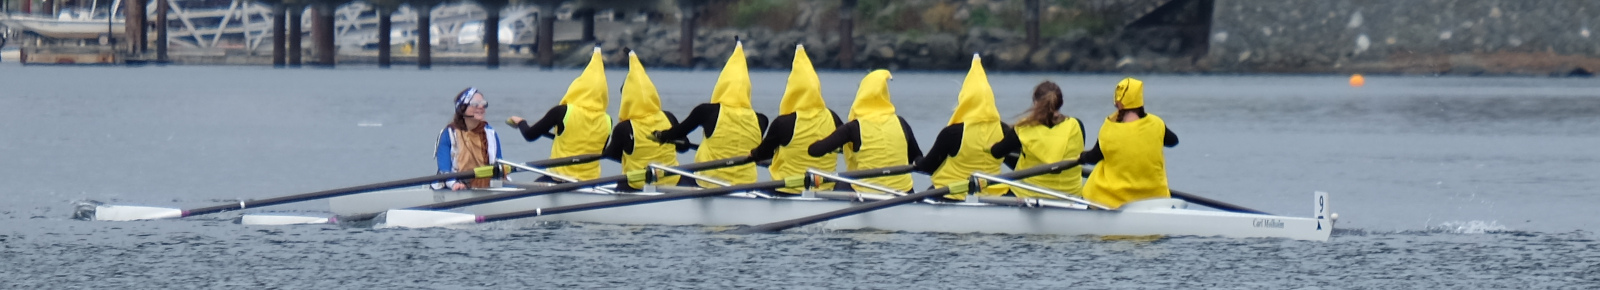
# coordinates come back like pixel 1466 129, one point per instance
pixel 423 218
pixel 1196 199
pixel 563 187
pixel 277 219
pixel 129 213
pixel 958 187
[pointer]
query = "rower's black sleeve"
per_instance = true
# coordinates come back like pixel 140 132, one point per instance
pixel 1170 140
pixel 703 116
pixel 778 134
pixel 551 119
pixel 761 121
pixel 946 145
pixel 621 141
pixel 1092 156
pixel 681 146
pixel 1005 132
pixel 837 139
pixel 1008 144
pixel 913 151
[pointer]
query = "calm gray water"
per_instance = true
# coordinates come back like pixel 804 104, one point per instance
pixel 1440 183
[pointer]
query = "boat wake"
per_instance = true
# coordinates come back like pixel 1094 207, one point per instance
pixel 1468 227
pixel 84 209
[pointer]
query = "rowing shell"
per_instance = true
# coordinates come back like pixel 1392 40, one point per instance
pixel 1149 217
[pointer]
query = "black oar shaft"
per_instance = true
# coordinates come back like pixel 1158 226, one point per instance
pixel 383 185
pixel 1212 203
pixel 685 195
pixel 1196 199
pixel 329 193
pixel 783 225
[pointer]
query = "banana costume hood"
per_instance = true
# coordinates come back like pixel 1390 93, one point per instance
pixel 588 91
pixel 1130 92
pixel 641 103
pixel 872 99
pixel 804 91
pixel 976 103
pixel 733 86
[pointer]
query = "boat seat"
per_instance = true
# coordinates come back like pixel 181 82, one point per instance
pixel 1154 204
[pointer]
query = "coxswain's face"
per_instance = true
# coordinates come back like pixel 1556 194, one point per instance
pixel 477 107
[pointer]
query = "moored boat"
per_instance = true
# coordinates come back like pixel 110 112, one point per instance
pixel 1149 217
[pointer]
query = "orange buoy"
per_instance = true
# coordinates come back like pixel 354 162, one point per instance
pixel 1356 80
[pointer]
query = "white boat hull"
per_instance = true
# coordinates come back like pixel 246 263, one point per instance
pixel 1153 217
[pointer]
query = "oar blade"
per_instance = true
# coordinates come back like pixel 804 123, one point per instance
pixel 133 213
pixel 281 220
pixel 408 218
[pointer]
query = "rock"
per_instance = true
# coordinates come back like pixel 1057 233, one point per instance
pixel 884 52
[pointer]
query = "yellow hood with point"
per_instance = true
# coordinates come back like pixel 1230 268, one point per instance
pixel 976 103
pixel 733 86
pixel 872 99
pixel 1130 92
pixel 589 90
pixel 639 97
pixel 804 91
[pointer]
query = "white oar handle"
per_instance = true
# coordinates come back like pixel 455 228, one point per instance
pixel 978 175
pixel 536 170
pixel 828 176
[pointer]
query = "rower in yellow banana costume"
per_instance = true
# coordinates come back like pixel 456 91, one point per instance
pixel 875 137
pixel 732 128
pixel 963 147
pixel 1131 166
pixel 580 121
pixel 1045 136
pixel 803 118
pixel 640 115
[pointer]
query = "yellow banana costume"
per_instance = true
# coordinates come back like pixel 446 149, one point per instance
pixel 1044 145
pixel 812 121
pixel 883 140
pixel 586 125
pixel 982 129
pixel 641 105
pixel 1134 167
pixel 738 129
